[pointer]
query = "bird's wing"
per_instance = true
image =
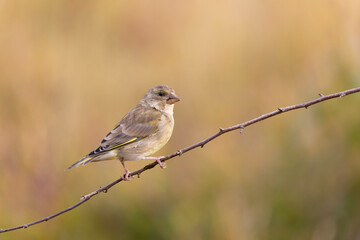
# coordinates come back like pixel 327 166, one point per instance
pixel 139 123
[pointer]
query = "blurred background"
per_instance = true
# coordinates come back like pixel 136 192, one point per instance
pixel 70 69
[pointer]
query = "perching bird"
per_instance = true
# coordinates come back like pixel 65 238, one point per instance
pixel 142 131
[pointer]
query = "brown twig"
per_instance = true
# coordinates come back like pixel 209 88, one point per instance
pixel 240 126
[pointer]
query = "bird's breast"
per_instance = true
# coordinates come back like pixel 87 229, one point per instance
pixel 166 126
pixel 152 143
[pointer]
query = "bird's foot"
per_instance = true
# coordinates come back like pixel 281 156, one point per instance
pixel 161 164
pixel 126 175
pixel 127 172
pixel 157 159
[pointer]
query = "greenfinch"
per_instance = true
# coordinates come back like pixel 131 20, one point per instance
pixel 141 132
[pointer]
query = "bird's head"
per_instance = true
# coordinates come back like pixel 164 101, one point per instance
pixel 161 97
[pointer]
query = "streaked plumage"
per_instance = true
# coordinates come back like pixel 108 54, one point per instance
pixel 142 131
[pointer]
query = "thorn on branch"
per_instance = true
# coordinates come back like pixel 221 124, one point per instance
pixel 321 95
pixel 85 196
pixel 179 152
pixel 138 175
pixel 241 129
pixel 280 109
pixel 342 95
pixel 104 191
pixel 221 130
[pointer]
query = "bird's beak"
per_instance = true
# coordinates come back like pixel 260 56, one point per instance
pixel 172 99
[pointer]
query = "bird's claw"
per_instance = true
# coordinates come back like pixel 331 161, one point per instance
pixel 161 164
pixel 126 176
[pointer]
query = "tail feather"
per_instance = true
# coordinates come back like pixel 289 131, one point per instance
pixel 91 157
pixel 82 161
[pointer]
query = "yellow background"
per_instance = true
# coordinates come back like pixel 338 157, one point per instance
pixel 70 69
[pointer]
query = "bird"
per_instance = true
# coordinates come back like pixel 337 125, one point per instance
pixel 141 132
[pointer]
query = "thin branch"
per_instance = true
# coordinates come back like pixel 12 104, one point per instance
pixel 221 131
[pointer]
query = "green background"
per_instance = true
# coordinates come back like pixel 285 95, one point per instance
pixel 70 69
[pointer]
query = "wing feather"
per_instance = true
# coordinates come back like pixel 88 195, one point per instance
pixel 139 123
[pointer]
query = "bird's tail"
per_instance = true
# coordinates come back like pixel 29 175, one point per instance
pixel 82 161
pixel 95 156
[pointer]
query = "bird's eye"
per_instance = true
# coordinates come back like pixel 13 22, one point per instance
pixel 161 93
